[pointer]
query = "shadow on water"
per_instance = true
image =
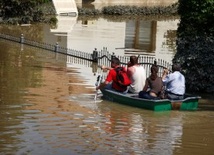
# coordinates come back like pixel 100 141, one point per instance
pixel 206 102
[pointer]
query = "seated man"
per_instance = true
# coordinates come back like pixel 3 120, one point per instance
pixel 174 82
pixel 137 74
pixel 111 81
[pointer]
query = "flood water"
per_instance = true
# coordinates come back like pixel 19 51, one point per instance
pixel 47 102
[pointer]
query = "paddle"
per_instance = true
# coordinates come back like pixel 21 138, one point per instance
pixel 99 80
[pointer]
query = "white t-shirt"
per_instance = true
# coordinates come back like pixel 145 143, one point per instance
pixel 138 78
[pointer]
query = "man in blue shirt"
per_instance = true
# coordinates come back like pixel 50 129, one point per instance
pixel 174 82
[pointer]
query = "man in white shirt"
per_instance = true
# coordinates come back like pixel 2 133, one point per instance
pixel 174 82
pixel 137 75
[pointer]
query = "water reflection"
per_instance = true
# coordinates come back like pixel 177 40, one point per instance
pixel 46 107
pixel 47 104
pixel 145 134
pixel 64 25
pixel 13 83
pixel 155 38
pixel 140 37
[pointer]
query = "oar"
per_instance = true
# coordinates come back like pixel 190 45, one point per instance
pixel 99 80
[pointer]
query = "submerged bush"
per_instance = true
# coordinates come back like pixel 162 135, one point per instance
pixel 134 10
pixel 131 10
pixel 88 12
pixel 37 13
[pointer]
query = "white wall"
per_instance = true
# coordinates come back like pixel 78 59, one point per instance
pixel 65 6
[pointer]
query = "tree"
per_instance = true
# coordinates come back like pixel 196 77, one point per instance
pixel 195 44
pixel 26 10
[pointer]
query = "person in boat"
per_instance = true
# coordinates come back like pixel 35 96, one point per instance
pixel 153 85
pixel 111 79
pixel 137 75
pixel 174 82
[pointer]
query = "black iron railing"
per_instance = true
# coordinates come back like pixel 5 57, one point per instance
pixel 102 57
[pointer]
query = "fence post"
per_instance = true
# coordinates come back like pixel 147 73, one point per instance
pixel 112 56
pixel 95 55
pixel 56 47
pixel 22 39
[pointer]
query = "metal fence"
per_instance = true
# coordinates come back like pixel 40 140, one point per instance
pixel 102 57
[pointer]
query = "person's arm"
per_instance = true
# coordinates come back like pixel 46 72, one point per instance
pixel 102 85
pixel 106 67
pixel 108 79
pixel 146 85
pixel 130 71
pixel 165 73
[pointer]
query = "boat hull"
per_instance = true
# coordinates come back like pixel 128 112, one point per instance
pixel 189 103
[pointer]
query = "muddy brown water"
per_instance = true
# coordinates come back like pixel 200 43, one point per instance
pixel 49 108
pixel 47 103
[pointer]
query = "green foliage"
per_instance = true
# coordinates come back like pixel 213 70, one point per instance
pixel 196 56
pixel 88 12
pixel 195 44
pixel 53 22
pixel 25 10
pixel 197 17
pixel 134 10
pixel 44 1
pixel 122 10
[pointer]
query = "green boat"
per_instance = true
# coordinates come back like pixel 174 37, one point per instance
pixel 189 103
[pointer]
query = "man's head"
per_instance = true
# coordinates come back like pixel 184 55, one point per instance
pixel 176 67
pixel 133 60
pixel 115 62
